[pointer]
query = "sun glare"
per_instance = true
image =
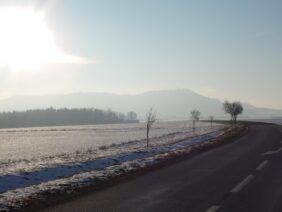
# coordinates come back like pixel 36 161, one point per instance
pixel 26 42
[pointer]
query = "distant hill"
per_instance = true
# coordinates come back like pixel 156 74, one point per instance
pixel 170 104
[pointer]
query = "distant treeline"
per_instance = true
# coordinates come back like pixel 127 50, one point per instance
pixel 60 117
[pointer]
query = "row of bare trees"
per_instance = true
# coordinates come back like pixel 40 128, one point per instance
pixel 231 108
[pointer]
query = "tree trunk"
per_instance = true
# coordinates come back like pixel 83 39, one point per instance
pixel 232 119
pixel 194 126
pixel 148 128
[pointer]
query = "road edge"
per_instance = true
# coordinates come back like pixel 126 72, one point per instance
pixel 55 199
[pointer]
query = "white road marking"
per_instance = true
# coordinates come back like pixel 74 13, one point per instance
pixel 241 185
pixel 262 165
pixel 213 208
pixel 271 152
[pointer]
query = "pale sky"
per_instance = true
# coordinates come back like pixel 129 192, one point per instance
pixel 218 48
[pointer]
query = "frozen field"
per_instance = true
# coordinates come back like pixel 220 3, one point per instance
pixel 28 143
pixel 39 161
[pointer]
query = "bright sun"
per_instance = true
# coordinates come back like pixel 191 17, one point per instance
pixel 26 42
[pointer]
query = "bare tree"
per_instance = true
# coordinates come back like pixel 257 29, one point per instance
pixel 195 116
pixel 150 120
pixel 233 108
pixel 211 118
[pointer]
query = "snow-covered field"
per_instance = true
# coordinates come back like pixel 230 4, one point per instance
pixel 36 160
pixel 27 143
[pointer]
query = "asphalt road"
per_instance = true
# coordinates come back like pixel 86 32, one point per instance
pixel 245 175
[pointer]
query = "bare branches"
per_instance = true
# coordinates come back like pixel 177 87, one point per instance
pixel 150 120
pixel 151 116
pixel 195 115
pixel 233 108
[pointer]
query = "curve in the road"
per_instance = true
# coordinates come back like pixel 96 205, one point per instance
pixel 229 178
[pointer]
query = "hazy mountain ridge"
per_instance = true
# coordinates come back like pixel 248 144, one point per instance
pixel 170 104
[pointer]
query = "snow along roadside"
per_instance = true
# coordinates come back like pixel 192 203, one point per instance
pixel 18 189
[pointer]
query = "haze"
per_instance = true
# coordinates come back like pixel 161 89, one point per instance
pixel 220 49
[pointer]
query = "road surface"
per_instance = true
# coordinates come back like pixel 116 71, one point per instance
pixel 244 175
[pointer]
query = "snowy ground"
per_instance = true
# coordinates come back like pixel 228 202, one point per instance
pixel 33 177
pixel 28 143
